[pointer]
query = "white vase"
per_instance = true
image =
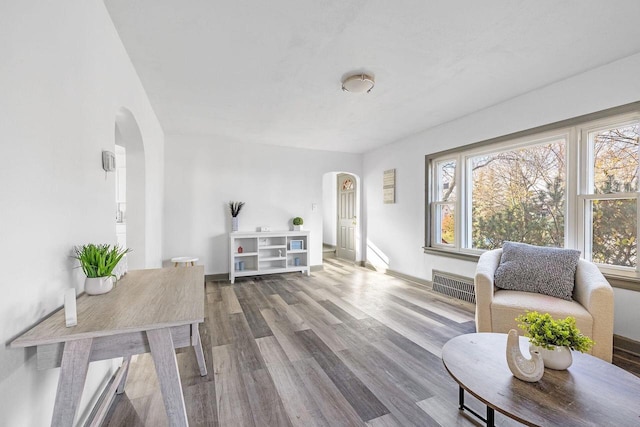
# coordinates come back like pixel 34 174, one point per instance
pixel 559 358
pixel 234 223
pixel 526 369
pixel 297 228
pixel 98 285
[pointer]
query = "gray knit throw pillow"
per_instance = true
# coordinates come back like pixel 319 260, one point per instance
pixel 543 270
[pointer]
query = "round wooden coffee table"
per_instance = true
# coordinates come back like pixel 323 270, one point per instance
pixel 591 392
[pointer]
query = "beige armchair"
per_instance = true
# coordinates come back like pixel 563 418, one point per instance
pixel 592 305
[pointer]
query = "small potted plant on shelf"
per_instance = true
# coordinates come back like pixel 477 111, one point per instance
pixel 235 208
pixel 554 339
pixel 297 223
pixel 97 263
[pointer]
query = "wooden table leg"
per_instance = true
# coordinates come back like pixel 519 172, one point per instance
pixel 164 358
pixel 125 365
pixel 73 373
pixel 197 346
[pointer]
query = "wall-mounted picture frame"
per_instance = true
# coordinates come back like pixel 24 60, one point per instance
pixel 296 245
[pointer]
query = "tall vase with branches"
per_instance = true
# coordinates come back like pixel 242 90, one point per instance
pixel 235 208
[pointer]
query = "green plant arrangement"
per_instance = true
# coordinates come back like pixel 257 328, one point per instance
pixel 235 208
pixel 298 221
pixel 546 332
pixel 99 260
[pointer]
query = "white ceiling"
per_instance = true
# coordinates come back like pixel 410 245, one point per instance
pixel 270 71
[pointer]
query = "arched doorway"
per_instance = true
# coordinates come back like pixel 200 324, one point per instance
pixel 127 135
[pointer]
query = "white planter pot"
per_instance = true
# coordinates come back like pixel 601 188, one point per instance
pixel 559 358
pixel 98 285
pixel 234 223
pixel 297 228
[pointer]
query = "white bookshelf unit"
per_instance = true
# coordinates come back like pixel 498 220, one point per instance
pixel 268 253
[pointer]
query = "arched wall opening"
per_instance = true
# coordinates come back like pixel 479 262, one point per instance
pixel 127 135
pixel 330 212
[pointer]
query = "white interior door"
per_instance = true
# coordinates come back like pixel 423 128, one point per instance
pixel 347 220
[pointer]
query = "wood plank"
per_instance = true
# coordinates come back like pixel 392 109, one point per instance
pixel 249 357
pixel 427 370
pixel 391 396
pixel 212 290
pixel 297 402
pixel 139 412
pixel 259 328
pixel 318 325
pixel 282 308
pixel 285 334
pixel 266 406
pixel 217 322
pixel 390 320
pixel 384 421
pixel 460 324
pixel 333 405
pixel 339 313
pixel 308 288
pixel 320 311
pixel 390 368
pixel 250 291
pixel 281 288
pixel 359 396
pixel 344 305
pixel 201 404
pixel 230 300
pixel 232 402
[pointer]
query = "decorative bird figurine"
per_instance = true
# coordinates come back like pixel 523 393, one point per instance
pixel 529 370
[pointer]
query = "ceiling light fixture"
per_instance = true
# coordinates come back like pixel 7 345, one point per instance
pixel 358 83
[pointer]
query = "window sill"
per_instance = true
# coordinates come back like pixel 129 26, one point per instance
pixel 451 254
pixel 622 282
pixel 615 280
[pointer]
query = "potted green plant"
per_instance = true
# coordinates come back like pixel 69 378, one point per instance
pixel 97 263
pixel 554 339
pixel 297 223
pixel 235 208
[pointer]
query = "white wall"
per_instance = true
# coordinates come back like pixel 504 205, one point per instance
pixel 329 208
pixel 277 183
pixel 397 231
pixel 63 75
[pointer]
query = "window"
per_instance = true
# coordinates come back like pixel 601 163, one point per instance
pixel 574 184
pixel 444 204
pixel 610 198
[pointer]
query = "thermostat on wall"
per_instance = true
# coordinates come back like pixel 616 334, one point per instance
pixel 265 228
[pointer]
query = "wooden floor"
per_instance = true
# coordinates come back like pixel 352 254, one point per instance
pixel 344 347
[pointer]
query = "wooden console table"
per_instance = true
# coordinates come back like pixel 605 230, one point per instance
pixel 155 310
pixel 591 392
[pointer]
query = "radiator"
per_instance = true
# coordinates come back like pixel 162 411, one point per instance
pixel 454 286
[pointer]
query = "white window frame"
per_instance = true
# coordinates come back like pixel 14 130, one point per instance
pixel 436 203
pixel 586 194
pixel 578 184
